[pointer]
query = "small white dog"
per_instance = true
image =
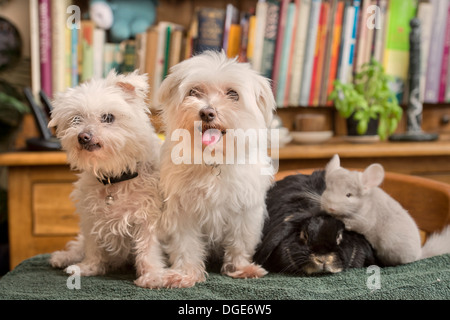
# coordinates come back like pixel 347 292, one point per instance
pixel 215 202
pixel 105 129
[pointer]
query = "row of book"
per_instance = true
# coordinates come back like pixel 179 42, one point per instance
pixel 302 45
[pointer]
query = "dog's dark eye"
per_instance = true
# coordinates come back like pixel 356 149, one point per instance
pixel 348 195
pixel 76 120
pixel 108 118
pixel 233 95
pixel 195 92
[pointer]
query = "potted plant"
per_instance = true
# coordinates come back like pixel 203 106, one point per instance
pixel 368 99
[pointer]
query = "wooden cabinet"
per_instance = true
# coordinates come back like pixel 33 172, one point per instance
pixel 41 216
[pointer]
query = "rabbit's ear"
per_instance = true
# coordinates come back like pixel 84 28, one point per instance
pixel 272 239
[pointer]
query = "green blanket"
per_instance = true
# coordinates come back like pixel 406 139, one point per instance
pixel 425 279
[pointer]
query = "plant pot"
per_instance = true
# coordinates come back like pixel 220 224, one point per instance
pixel 372 128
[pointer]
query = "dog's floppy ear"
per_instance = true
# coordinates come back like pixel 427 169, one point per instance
pixel 264 98
pixel 135 85
pixel 168 91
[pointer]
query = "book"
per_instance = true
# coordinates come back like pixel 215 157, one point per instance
pixel 74 57
pixel 113 58
pixel 87 47
pixel 164 30
pixel 334 52
pixel 356 5
pixel 141 47
pixel 245 27
pixel 435 51
pixel 231 18
pixel 234 41
pixel 445 59
pixel 258 42
pixel 128 48
pixel 396 53
pixel 251 39
pixel 319 54
pixel 344 52
pixel 210 29
pixel 299 52
pixel 270 38
pixel 380 35
pixel 309 52
pixel 362 38
pixel 45 45
pixel 279 44
pixel 68 58
pixel 284 54
pixel 425 15
pixel 35 48
pixel 291 56
pixel 150 60
pixel 98 47
pixel 58 27
pixel 176 43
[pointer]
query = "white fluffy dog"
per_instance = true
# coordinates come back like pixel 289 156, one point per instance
pixel 215 202
pixel 105 129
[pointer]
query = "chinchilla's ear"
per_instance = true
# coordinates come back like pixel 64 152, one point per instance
pixel 372 176
pixel 335 163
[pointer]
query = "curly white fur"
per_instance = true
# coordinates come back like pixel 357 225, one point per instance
pixel 216 206
pixel 123 232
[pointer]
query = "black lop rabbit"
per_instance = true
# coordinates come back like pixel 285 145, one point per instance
pixel 299 238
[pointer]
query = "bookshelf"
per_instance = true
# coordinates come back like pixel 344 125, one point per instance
pixel 325 28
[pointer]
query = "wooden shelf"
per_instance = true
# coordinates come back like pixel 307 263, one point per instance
pixel 338 145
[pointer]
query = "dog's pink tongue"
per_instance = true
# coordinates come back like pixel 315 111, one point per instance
pixel 210 137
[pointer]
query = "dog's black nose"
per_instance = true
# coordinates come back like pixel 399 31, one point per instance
pixel 84 137
pixel 207 114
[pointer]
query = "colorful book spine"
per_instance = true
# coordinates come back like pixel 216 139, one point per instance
pixel 258 43
pixel 45 35
pixel 58 18
pixel 396 54
pixel 285 53
pixel 380 38
pixel 231 17
pixel 299 52
pixel 290 71
pixel 425 15
pixel 270 38
pixel 344 52
pixel 87 45
pixel 245 25
pixel 113 58
pixel 251 39
pixel 234 41
pixel 445 59
pixel 74 56
pixel 279 44
pixel 141 46
pixel 68 58
pixel 210 29
pixel 35 48
pixel 335 45
pixel 356 5
pixel 129 56
pixel 309 52
pixel 435 51
pixel 319 55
